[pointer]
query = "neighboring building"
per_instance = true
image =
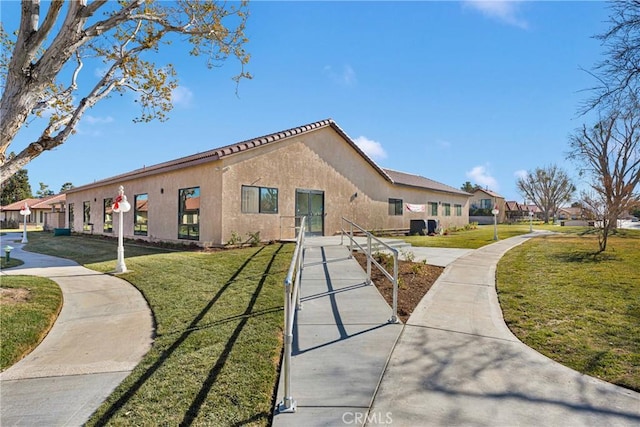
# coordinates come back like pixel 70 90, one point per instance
pixel 265 185
pixel 570 213
pixel 482 203
pixel 514 211
pixel 47 212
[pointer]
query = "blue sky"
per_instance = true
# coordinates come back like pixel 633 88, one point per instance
pixel 455 91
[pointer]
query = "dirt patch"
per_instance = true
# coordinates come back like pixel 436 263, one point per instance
pixel 14 295
pixel 414 280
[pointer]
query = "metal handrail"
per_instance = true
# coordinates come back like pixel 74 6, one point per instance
pixel 368 252
pixel 288 217
pixel 291 297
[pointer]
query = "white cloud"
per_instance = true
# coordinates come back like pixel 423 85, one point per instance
pixel 182 96
pixel 521 173
pixel 479 175
pixel 93 120
pixel 346 76
pixel 506 11
pixel 371 148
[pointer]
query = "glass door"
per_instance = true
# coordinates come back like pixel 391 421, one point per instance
pixel 310 203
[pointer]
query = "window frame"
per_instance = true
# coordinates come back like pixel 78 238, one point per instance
pixel 86 215
pixel 140 228
pixel 447 209
pixel 107 215
pixel 261 204
pixel 458 209
pixel 182 211
pixel 396 207
pixel 434 208
pixel 72 215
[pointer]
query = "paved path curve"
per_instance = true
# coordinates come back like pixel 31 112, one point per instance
pixel 104 329
pixel 457 364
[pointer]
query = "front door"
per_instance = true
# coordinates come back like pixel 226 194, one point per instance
pixel 310 203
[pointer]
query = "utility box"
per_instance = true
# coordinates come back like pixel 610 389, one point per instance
pixel 418 226
pixel 432 226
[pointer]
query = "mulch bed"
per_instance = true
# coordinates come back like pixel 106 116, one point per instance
pixel 414 280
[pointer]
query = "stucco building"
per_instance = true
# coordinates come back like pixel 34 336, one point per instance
pixel 264 185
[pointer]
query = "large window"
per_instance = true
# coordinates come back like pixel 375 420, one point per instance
pixel 107 215
pixel 433 208
pixel 259 200
pixel 189 213
pixel 71 216
pixel 395 206
pixel 447 209
pixel 86 216
pixel 141 214
pixel 485 204
pixel 458 210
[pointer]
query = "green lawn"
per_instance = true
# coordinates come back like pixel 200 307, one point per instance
pixel 577 308
pixel 216 355
pixel 218 315
pixel 482 235
pixel 29 308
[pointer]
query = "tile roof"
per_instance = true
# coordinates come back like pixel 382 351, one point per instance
pixel 403 178
pixel 489 192
pixel 513 206
pixel 36 203
pixel 221 152
pixel 16 206
pixel 46 202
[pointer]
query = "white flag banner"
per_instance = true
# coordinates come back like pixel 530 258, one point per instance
pixel 415 208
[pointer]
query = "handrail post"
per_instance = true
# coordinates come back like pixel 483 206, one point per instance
pixel 291 296
pixel 287 404
pixel 369 256
pixel 394 315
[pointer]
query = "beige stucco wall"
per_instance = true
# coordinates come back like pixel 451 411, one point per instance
pixel 162 190
pixel 496 201
pixel 319 160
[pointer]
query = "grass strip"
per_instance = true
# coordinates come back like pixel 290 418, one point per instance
pixel 216 355
pixel 577 307
pixel 483 235
pixel 28 308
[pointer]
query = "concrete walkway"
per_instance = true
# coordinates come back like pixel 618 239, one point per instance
pixel 342 339
pixel 457 364
pixel 102 332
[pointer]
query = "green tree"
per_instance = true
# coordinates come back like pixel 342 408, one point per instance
pixel 66 186
pixel 548 188
pixel 16 188
pixel 44 191
pixel 470 188
pixel 42 60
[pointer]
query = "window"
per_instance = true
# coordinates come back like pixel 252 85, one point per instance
pixel 458 210
pixel 486 204
pixel 140 214
pixel 71 216
pixel 433 208
pixel 395 206
pixel 259 200
pixel 447 209
pixel 107 215
pixel 86 216
pixel 189 213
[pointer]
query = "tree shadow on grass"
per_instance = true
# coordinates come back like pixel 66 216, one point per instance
pixel 580 256
pixel 193 410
